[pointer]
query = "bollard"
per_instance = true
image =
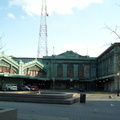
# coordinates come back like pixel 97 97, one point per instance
pixel 82 98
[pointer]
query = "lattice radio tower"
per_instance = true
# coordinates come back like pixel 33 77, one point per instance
pixel 42 42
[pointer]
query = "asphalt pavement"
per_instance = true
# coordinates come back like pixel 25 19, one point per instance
pixel 98 106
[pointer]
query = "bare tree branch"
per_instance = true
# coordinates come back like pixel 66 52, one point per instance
pixel 118 4
pixel 1 45
pixel 113 31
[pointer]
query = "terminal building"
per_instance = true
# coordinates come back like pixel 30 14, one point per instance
pixel 67 70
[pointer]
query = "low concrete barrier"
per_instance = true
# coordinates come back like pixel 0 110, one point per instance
pixel 40 98
pixel 8 114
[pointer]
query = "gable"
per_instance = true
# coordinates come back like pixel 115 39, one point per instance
pixel 34 65
pixel 70 54
pixel 7 61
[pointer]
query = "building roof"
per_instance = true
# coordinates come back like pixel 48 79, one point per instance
pixel 69 55
pixel 109 48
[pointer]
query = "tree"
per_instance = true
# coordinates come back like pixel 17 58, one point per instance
pixel 114 30
pixel 1 45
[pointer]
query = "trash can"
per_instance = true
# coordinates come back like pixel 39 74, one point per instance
pixel 82 98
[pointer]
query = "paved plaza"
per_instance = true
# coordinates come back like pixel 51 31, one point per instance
pixel 98 106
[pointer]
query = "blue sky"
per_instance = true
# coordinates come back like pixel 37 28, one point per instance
pixel 77 25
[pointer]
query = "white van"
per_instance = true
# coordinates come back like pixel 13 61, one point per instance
pixel 9 87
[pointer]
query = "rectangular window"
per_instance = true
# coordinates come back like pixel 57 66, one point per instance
pixel 59 70
pixel 86 71
pixel 70 70
pixel 80 71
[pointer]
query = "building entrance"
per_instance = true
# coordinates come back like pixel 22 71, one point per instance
pixel 40 83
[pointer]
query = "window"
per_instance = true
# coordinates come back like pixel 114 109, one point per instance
pixel 4 69
pixel 59 70
pixel 86 71
pixel 70 70
pixel 80 71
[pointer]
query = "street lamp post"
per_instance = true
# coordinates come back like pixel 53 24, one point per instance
pixel 71 86
pixel 118 84
pixel 53 83
pixel 71 80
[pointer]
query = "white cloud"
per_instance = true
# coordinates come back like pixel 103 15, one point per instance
pixel 22 17
pixel 11 16
pixel 59 6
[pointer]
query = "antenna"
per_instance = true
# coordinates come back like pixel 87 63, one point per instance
pixel 42 42
pixel 87 51
pixel 53 50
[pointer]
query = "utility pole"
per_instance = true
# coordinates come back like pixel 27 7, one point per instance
pixel 42 42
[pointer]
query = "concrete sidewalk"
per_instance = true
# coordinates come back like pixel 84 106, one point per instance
pixel 97 107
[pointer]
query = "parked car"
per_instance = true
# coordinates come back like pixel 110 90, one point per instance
pixel 34 88
pixel 81 89
pixel 23 88
pixel 71 88
pixel 9 87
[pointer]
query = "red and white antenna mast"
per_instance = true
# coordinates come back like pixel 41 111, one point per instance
pixel 42 42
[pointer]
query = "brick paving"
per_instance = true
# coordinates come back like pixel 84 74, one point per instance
pixel 97 107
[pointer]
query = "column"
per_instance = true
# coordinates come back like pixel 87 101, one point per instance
pixel 55 70
pixel 10 69
pixel 75 70
pixel 20 68
pixel 64 70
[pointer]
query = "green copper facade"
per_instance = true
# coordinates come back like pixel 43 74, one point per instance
pixel 68 70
